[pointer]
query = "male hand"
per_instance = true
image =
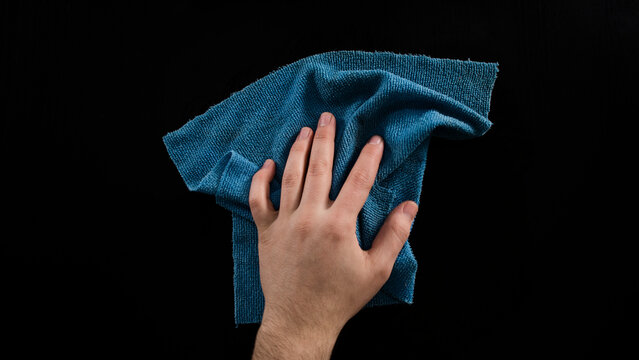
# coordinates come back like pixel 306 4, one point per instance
pixel 313 272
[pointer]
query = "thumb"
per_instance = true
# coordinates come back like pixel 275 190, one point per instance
pixel 261 206
pixel 392 236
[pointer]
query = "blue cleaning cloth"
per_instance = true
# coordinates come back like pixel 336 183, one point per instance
pixel 406 99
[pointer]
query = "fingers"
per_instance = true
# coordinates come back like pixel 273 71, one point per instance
pixel 360 180
pixel 293 176
pixel 259 201
pixel 319 175
pixel 391 238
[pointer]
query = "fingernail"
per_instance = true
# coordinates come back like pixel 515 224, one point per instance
pixel 324 119
pixel 266 164
pixel 410 209
pixel 375 139
pixel 304 133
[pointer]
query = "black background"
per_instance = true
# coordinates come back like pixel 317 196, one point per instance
pixel 523 237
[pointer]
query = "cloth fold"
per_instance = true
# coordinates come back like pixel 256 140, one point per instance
pixel 406 99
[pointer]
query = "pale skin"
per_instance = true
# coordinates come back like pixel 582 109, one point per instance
pixel 313 272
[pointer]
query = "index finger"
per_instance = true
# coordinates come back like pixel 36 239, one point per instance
pixel 360 180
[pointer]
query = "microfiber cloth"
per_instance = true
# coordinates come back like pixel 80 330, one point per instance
pixel 406 99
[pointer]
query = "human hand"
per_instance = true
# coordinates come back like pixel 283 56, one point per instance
pixel 313 272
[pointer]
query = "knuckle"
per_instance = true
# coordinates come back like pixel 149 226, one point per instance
pixel 361 178
pixel 254 200
pixel 290 179
pixel 334 228
pixel 303 226
pixel 344 223
pixel 339 224
pixel 321 136
pixel 399 231
pixel 318 167
pixel 383 272
pixel 298 147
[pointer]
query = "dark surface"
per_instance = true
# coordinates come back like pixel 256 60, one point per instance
pixel 105 254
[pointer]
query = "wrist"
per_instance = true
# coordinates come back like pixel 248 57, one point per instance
pixel 286 337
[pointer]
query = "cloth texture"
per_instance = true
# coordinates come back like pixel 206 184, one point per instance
pixel 406 99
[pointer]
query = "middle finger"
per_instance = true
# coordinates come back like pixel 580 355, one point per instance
pixel 320 168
